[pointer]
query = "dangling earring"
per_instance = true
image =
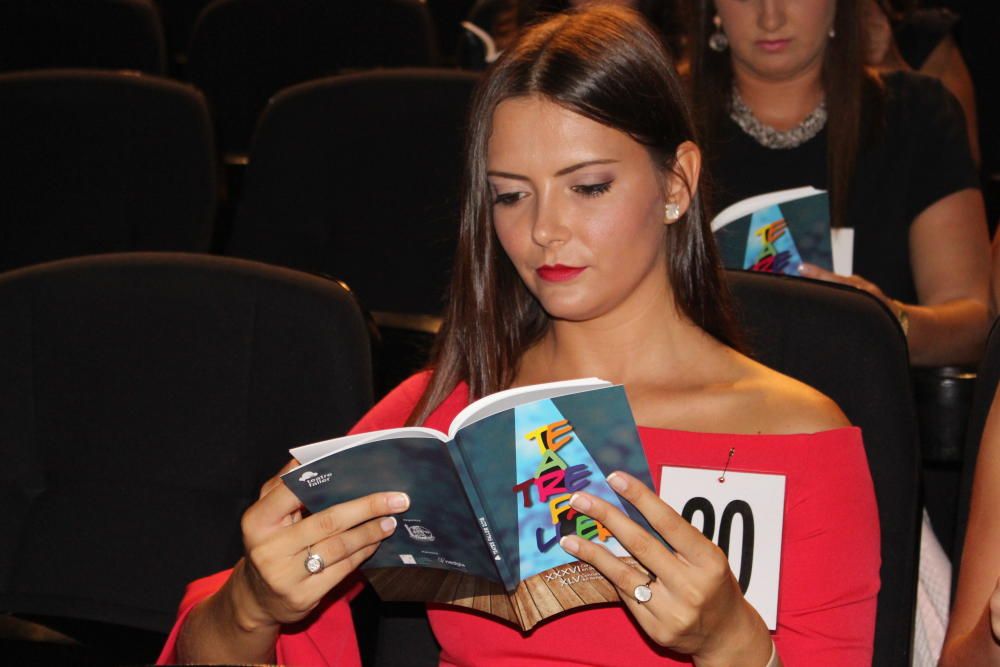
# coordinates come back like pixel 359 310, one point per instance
pixel 671 212
pixel 832 33
pixel 718 41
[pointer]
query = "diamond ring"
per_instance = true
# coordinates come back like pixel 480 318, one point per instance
pixel 314 562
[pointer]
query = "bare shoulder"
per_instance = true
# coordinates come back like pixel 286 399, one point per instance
pixel 784 405
pixel 739 396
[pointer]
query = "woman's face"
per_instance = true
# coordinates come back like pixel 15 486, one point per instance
pixel 777 40
pixel 578 207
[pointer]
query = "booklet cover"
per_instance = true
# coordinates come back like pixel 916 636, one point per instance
pixel 489 501
pixel 776 232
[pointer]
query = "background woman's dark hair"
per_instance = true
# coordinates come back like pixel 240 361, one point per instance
pixel 853 95
pixel 604 63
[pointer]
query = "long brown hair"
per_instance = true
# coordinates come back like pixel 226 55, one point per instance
pixel 853 94
pixel 604 63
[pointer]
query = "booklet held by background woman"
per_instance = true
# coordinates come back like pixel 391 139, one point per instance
pixel 777 231
pixel 489 500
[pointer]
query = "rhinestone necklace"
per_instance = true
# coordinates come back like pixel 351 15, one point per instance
pixel 769 137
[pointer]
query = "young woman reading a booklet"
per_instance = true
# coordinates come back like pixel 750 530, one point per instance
pixel 584 250
pixel 788 102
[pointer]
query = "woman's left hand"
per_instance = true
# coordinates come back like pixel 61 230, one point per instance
pixel 696 605
pixel 856 281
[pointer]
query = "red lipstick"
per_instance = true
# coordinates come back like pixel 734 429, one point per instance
pixel 558 273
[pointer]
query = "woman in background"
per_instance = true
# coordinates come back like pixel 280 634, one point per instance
pixel 787 101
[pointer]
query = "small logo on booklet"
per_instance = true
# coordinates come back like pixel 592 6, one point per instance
pixel 313 479
pixel 419 533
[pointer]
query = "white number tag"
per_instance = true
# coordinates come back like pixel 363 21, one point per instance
pixel 743 516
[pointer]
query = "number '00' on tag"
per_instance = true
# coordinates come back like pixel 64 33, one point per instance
pixel 743 516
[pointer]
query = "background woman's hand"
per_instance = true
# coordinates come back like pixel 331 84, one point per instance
pixel 856 281
pixel 696 605
pixel 271 585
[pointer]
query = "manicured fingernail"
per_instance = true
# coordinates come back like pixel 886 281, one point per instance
pixel 388 524
pixel 804 269
pixel 617 482
pixel 578 502
pixel 399 501
pixel 569 544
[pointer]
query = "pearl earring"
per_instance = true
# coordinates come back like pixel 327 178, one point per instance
pixel 832 33
pixel 671 212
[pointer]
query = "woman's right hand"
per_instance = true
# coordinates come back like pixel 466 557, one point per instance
pixel 271 585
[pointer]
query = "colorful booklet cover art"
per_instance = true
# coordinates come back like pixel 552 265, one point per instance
pixel 776 232
pixel 489 505
pixel 553 463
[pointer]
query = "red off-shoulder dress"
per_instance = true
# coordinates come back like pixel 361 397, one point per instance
pixel 827 586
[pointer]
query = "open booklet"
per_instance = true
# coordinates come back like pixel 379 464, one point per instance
pixel 489 500
pixel 777 231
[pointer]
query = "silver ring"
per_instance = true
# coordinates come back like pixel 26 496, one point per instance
pixel 314 562
pixel 643 593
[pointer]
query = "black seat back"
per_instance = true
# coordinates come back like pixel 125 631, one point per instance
pixel 94 161
pixel 358 176
pixel 107 34
pixel 143 400
pixel 847 345
pixel 244 51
